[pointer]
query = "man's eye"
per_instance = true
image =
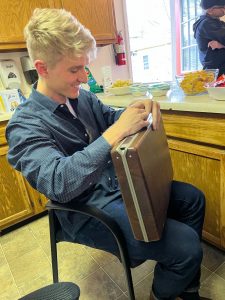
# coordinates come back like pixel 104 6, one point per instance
pixel 73 71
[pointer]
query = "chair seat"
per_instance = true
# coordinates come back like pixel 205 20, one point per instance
pixel 56 291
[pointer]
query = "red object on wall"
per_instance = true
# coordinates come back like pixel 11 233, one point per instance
pixel 119 49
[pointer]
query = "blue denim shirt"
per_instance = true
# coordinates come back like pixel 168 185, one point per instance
pixel 61 157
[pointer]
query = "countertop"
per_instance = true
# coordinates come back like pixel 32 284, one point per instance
pixel 5 116
pixel 200 103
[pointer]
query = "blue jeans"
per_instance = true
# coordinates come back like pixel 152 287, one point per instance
pixel 178 253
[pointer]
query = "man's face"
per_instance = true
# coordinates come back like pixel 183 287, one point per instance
pixel 217 11
pixel 64 79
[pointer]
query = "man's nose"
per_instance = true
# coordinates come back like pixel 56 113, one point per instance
pixel 83 76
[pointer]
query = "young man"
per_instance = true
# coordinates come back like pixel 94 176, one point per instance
pixel 60 139
pixel 209 32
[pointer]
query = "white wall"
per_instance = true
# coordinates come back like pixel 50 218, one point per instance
pixel 105 56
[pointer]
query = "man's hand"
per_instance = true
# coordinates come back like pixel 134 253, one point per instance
pixel 215 45
pixel 133 119
pixel 150 107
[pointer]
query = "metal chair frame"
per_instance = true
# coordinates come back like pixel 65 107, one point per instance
pixel 102 217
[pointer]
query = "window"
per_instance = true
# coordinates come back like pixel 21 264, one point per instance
pixel 187 12
pixel 149 28
pixel 162 34
pixel 145 62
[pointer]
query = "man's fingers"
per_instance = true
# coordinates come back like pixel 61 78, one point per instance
pixel 156 114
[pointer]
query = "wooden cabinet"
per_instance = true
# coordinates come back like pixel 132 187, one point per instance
pixel 14 15
pixel 96 15
pixel 197 147
pixel 19 201
pixel 15 204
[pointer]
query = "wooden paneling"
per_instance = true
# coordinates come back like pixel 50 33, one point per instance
pixel 14 15
pixel 201 166
pixel 198 127
pixel 97 16
pixel 19 201
pixel 15 204
pixel 2 133
pixel 197 146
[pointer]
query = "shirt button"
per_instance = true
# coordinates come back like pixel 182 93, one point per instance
pixel 86 134
pixel 61 105
pixel 109 162
pixel 90 183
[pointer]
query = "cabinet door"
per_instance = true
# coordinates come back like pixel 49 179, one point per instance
pixel 15 204
pixel 14 15
pixel 203 166
pixel 97 15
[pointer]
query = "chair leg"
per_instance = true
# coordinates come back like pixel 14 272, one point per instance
pixel 126 265
pixel 52 217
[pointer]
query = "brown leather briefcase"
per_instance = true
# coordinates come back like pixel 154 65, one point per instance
pixel 144 170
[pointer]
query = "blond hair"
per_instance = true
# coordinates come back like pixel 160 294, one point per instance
pixel 53 33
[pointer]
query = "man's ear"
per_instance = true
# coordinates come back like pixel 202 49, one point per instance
pixel 209 11
pixel 41 68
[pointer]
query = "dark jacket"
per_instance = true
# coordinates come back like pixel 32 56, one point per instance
pixel 206 29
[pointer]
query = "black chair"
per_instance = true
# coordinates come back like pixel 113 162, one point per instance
pixel 102 217
pixel 55 291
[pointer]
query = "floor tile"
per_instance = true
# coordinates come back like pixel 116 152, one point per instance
pixel 116 271
pixel 66 249
pixel 7 237
pixel 44 243
pixel 8 290
pixel 39 227
pixel 205 273
pixel 143 288
pixel 142 271
pixel 25 266
pixel 18 242
pixel 74 262
pixel 221 271
pixel 40 230
pixel 2 257
pixel 122 297
pixel 213 288
pixel 212 257
pixel 101 257
pixel 30 266
pixel 98 286
pixel 32 285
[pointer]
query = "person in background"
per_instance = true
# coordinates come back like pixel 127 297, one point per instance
pixel 209 32
pixel 60 139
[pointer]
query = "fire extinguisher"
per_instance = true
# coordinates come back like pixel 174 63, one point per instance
pixel 119 49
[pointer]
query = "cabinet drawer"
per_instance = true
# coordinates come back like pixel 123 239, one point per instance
pixel 200 127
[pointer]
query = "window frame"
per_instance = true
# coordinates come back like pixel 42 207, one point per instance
pixel 178 31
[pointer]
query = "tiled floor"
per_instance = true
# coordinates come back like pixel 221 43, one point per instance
pixel 25 266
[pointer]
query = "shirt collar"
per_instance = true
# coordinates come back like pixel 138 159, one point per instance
pixel 43 100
